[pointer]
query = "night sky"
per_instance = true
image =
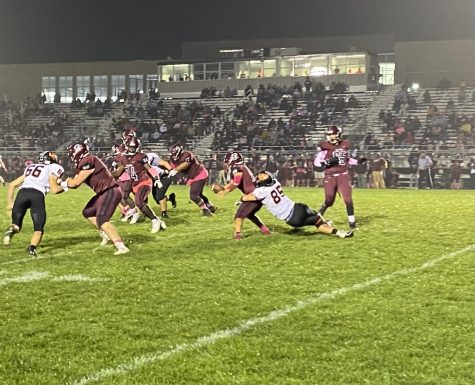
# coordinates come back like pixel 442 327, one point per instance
pixel 71 30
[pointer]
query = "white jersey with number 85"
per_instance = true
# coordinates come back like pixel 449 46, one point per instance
pixel 279 204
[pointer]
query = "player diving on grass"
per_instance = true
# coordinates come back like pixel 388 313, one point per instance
pixel 269 192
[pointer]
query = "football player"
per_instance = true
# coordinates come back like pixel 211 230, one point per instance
pixel 241 178
pixel 128 210
pixel 159 193
pixel 37 180
pixel 143 176
pixel 269 192
pixel 100 208
pixel 334 158
pixel 197 176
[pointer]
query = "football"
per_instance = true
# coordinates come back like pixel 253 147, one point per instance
pixel 216 187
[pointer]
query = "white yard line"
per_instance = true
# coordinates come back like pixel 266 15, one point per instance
pixel 138 362
pixel 77 278
pixel 27 277
pixel 39 275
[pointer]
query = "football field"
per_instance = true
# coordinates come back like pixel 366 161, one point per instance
pixel 395 304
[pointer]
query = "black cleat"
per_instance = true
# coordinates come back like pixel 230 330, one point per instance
pixel 212 208
pixel 207 213
pixel 172 199
pixel 165 214
pixel 32 251
pixel 352 225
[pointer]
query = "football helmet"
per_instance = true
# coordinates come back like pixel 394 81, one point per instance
pixel 333 134
pixel 265 178
pixel 118 149
pixel 175 151
pixel 77 151
pixel 128 133
pixel 233 158
pixel 132 145
pixel 48 157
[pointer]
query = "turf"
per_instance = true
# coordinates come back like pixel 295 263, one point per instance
pixel 190 305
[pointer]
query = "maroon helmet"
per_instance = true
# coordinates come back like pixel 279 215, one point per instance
pixel 128 133
pixel 175 151
pixel 233 158
pixel 132 145
pixel 333 134
pixel 77 151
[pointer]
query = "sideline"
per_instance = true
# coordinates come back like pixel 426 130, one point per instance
pixel 245 325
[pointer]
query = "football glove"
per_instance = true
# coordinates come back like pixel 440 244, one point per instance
pixel 332 162
pixel 158 183
pixel 172 173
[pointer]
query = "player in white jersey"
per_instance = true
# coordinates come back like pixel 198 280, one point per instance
pixel 159 189
pixel 269 192
pixel 37 180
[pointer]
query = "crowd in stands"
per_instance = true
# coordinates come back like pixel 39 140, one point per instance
pixel 245 127
pixel 402 127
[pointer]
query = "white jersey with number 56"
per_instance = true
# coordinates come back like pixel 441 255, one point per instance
pixel 279 204
pixel 37 176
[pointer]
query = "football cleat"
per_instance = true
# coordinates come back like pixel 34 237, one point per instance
pixel 211 208
pixel 352 225
pixel 105 238
pixel 31 250
pixel 265 230
pixel 163 225
pixel 164 214
pixel 237 236
pixel 128 215
pixel 172 199
pixel 344 234
pixel 207 213
pixel 8 235
pixel 156 225
pixel 135 217
pixel 121 249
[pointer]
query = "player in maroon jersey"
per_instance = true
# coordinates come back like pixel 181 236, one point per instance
pixel 242 179
pixel 143 176
pixel 196 173
pixel 128 208
pixel 99 210
pixel 334 158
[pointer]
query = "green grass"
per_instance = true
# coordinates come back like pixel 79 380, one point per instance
pixel 192 280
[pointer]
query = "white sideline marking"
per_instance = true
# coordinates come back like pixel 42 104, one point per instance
pixel 38 275
pixel 210 339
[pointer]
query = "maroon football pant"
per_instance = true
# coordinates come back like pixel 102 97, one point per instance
pixel 103 205
pixel 342 184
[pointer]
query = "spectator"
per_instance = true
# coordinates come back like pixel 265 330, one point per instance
pixel 424 170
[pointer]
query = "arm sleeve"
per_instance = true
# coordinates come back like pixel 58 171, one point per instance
pixel 320 159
